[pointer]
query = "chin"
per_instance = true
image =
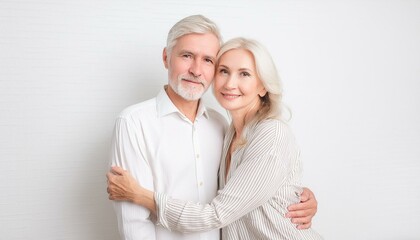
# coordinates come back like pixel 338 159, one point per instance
pixel 226 106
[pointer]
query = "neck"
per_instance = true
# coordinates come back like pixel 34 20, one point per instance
pixel 240 118
pixel 188 108
pixel 238 123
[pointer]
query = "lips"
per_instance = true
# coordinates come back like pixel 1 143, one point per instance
pixel 230 96
pixel 192 81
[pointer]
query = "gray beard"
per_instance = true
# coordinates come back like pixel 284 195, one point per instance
pixel 185 93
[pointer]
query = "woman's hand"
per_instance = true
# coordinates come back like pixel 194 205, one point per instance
pixel 303 212
pixel 123 187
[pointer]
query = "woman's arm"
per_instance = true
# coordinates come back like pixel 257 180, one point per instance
pixel 301 213
pixel 123 187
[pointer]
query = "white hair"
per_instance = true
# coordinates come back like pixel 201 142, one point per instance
pixel 189 25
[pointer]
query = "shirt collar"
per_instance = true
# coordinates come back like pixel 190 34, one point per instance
pixel 165 106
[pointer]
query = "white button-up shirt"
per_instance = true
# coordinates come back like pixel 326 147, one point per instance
pixel 166 152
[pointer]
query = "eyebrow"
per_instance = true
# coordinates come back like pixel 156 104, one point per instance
pixel 240 69
pixel 194 54
pixel 186 52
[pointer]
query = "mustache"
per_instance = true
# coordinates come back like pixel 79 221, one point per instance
pixel 192 79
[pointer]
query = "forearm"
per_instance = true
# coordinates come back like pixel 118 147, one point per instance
pixel 187 217
pixel 146 199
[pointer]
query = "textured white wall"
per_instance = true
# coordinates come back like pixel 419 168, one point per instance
pixel 351 72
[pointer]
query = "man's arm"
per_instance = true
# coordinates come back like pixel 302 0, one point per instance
pixel 133 220
pixel 303 212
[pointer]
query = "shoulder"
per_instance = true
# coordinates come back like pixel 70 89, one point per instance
pixel 132 118
pixel 138 110
pixel 272 132
pixel 272 127
pixel 273 136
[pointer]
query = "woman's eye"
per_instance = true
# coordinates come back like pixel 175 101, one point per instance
pixel 245 74
pixel 223 71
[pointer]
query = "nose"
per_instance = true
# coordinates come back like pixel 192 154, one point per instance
pixel 230 82
pixel 195 68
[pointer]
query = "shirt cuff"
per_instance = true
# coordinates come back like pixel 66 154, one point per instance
pixel 161 201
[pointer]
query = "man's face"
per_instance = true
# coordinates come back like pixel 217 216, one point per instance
pixel 191 64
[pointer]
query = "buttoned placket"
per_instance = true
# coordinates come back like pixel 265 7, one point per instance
pixel 198 162
pixel 198 166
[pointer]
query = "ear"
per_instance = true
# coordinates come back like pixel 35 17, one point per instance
pixel 165 58
pixel 262 92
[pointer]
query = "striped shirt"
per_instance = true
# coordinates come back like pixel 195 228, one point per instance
pixel 263 179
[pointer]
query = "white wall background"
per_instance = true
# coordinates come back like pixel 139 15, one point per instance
pixel 351 71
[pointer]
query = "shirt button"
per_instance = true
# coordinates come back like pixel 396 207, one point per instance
pixel 201 183
pixel 198 156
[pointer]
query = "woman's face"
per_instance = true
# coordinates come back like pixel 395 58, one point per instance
pixel 236 84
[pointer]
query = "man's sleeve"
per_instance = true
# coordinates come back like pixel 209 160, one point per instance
pixel 128 152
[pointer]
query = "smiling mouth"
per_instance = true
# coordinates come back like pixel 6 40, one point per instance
pixel 192 81
pixel 230 96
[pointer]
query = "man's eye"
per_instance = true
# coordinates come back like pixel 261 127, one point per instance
pixel 209 60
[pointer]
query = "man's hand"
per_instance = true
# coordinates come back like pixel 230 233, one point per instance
pixel 121 185
pixel 303 212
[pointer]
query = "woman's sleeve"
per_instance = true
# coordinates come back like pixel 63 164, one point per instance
pixel 263 169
